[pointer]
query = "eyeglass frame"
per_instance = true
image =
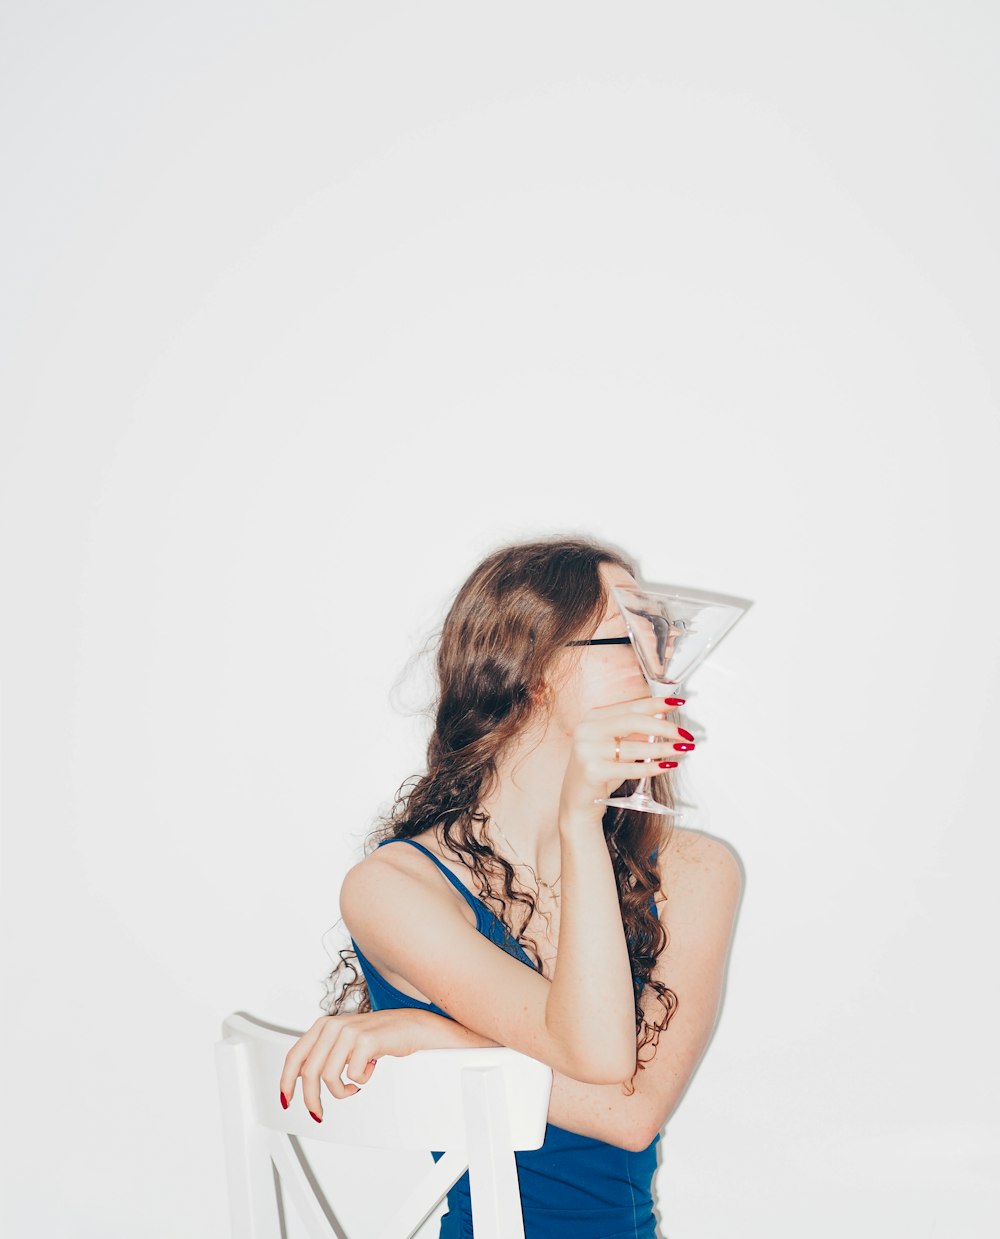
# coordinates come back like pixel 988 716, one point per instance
pixel 603 641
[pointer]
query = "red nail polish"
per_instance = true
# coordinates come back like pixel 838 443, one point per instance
pixel 284 1102
pixel 316 1117
pixel 674 701
pixel 665 764
pixel 686 734
pixel 684 748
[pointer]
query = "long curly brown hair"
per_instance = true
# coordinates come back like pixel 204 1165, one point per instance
pixel 507 623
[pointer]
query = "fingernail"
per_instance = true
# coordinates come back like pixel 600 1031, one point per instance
pixel 284 1102
pixel 675 701
pixel 665 764
pixel 684 748
pixel 686 734
pixel 316 1117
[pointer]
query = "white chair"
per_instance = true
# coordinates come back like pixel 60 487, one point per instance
pixel 477 1105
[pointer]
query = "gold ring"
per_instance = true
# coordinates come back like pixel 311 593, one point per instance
pixel 618 748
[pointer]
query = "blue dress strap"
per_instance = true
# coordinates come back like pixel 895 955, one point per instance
pixel 459 886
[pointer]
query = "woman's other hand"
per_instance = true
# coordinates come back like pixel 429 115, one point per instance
pixel 358 1040
pixel 592 772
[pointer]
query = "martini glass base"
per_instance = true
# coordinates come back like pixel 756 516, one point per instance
pixel 642 801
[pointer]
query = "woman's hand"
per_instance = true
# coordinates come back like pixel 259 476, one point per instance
pixel 592 772
pixel 357 1040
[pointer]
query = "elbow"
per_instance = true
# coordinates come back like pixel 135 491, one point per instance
pixel 621 1067
pixel 599 1059
pixel 630 1132
pixel 602 1068
pixel 637 1127
pixel 638 1141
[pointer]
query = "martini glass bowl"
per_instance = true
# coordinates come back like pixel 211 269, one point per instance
pixel 672 634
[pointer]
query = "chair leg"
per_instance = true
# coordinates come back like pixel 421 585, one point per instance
pixel 493 1182
pixel 253 1202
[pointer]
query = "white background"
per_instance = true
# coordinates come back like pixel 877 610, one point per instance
pixel 306 307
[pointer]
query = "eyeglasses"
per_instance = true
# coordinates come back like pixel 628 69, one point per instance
pixel 603 641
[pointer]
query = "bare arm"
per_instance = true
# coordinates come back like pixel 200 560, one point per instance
pixel 704 882
pixel 591 1002
pixel 485 989
pixel 582 1022
pixel 437 1032
pixel 705 890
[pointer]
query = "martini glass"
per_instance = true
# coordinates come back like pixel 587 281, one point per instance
pixel 671 634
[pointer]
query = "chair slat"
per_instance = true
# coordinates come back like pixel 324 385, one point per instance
pixel 425 1196
pixel 297 1187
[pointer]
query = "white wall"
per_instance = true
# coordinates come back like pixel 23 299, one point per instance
pixel 308 306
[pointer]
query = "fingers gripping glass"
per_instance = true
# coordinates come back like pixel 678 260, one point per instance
pixel 671 635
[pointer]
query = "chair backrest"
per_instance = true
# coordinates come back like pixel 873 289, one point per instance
pixel 477 1106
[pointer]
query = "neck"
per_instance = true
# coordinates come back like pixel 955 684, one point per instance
pixel 525 801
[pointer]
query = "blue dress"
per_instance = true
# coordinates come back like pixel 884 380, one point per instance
pixel 573 1187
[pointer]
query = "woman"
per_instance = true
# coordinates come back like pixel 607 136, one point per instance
pixel 504 851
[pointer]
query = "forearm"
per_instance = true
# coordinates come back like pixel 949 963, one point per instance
pixel 437 1032
pixel 591 1004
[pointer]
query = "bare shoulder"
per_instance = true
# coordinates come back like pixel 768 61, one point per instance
pixel 373 885
pixel 696 866
pixel 371 896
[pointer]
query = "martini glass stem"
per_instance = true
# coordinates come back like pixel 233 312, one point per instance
pixel 642 787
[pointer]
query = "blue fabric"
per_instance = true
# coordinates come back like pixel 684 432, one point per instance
pixel 573 1187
